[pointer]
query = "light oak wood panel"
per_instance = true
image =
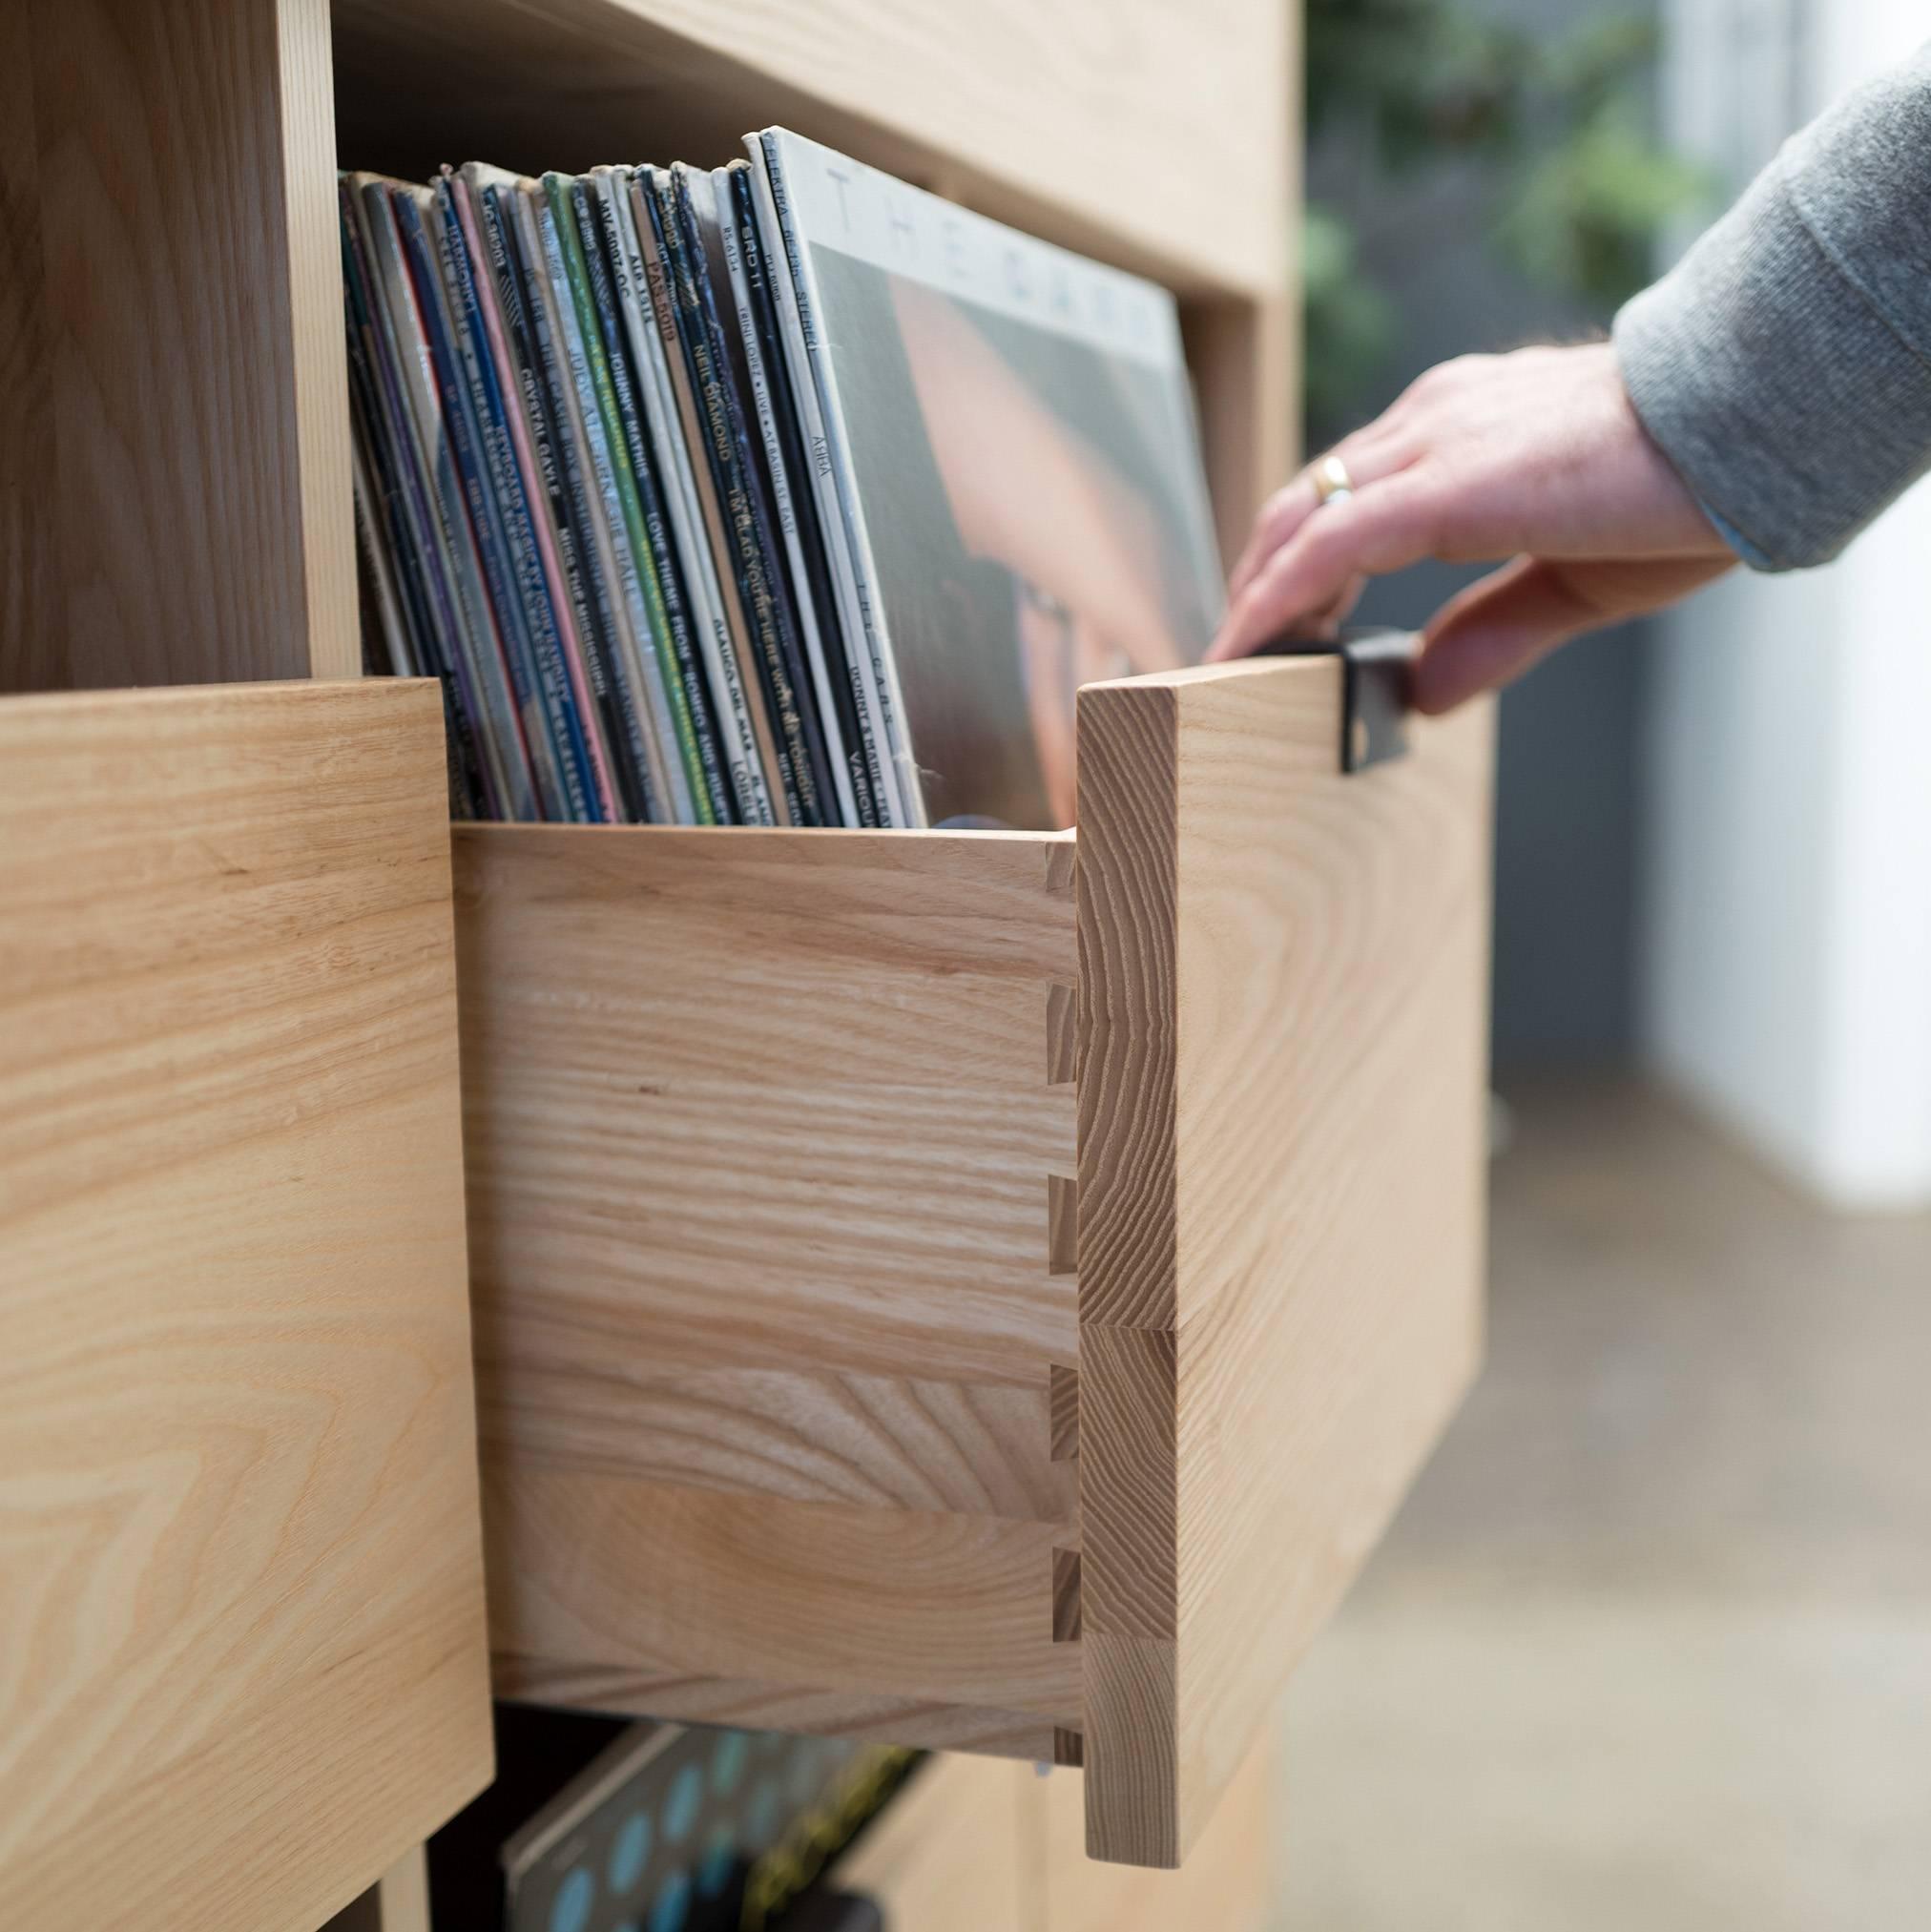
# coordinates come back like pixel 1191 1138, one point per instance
pixel 173 280
pixel 1283 977
pixel 240 1590
pixel 992 1847
pixel 1229 1884
pixel 757 1100
pixel 589 1569
pixel 1155 135
pixel 952 1852
pixel 1244 355
pixel 597 1399
pixel 743 1704
pixel 398 1902
pixel 762 1135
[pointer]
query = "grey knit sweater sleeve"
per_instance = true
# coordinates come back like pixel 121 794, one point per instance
pixel 1784 366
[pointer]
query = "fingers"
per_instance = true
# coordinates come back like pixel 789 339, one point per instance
pixel 1496 629
pixel 1368 456
pixel 1493 631
pixel 1384 528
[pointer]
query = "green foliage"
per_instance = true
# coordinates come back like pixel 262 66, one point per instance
pixel 1557 133
pixel 1349 322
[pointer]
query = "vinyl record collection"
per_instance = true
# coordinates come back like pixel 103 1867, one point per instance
pixel 705 493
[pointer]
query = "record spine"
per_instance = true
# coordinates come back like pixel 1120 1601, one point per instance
pixel 845 766
pixel 898 802
pixel 737 741
pixel 501 607
pixel 657 663
pixel 680 669
pixel 635 656
pixel 483 241
pixel 577 770
pixel 426 585
pixel 838 451
pixel 501 725
pixel 699 334
pixel 560 476
pixel 648 214
pixel 855 729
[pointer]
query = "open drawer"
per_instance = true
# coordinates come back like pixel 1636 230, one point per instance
pixel 981 1290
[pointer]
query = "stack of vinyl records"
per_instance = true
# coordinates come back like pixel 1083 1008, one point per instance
pixel 781 493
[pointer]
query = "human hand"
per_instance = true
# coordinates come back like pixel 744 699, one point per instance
pixel 1536 455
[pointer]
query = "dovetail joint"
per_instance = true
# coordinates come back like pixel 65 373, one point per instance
pixel 1066 1596
pixel 1062 1225
pixel 1062 1035
pixel 1062 1403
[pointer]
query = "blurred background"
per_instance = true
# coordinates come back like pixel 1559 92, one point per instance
pixel 1652 1643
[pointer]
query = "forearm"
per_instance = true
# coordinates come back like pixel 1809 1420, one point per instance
pixel 1784 367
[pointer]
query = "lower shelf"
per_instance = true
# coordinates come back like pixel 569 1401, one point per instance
pixel 981 1290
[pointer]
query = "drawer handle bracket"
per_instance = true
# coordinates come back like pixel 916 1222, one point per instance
pixel 1375 672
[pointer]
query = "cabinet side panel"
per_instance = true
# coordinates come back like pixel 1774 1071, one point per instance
pixel 31 635
pixel 192 304
pixel 242 1582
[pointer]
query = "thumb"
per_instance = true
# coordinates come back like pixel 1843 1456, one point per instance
pixel 1498 626
pixel 1494 630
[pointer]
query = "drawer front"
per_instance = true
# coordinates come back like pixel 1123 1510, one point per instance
pixel 1283 1078
pixel 241 1581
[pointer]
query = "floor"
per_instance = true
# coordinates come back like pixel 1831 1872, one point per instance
pixel 1651 1645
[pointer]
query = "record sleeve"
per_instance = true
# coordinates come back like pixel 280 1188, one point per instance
pixel 1010 431
pixel 650 657
pixel 557 464
pixel 762 370
pixel 680 669
pixel 753 521
pixel 647 197
pixel 581 789
pixel 737 745
pixel 773 649
pixel 512 790
pixel 581 423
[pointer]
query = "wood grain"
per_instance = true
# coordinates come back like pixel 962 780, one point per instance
pixel 239 1558
pixel 990 1847
pixel 1042 119
pixel 929 1607
pixel 29 530
pixel 593 1399
pixel 173 282
pixel 917 1723
pixel 1062 1398
pixel 1230 1884
pixel 1283 1048
pixel 952 1853
pixel 398 1902
pixel 761 1136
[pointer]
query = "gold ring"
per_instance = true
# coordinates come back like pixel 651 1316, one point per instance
pixel 1331 479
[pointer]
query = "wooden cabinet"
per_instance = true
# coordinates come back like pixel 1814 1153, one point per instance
pixel 981 1290
pixel 969 1289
